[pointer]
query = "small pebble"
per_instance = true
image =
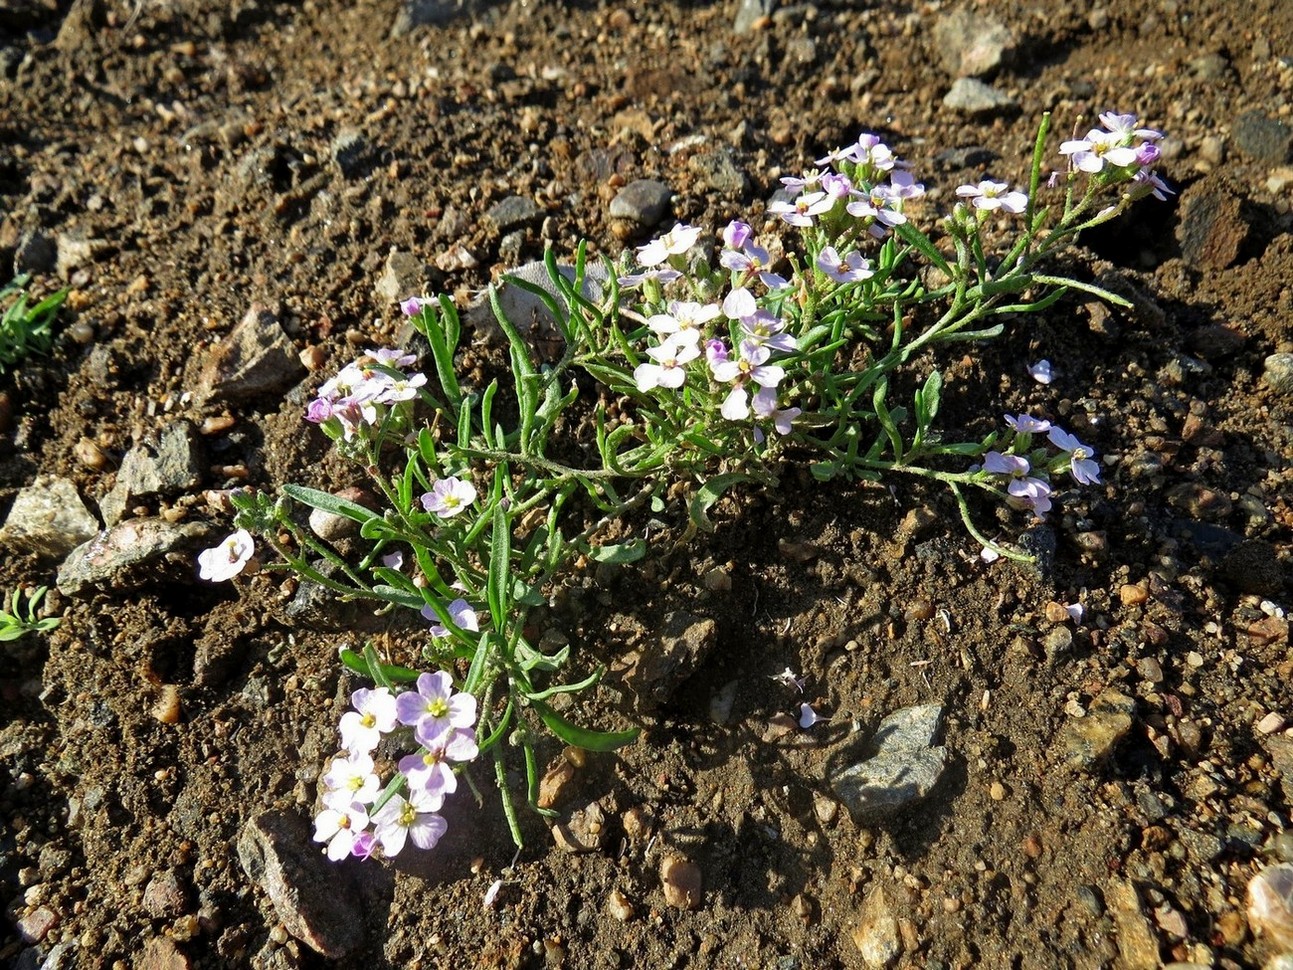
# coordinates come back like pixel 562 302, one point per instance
pixel 619 907
pixel 1132 595
pixel 1271 723
pixel 90 454
pixel 997 791
pixel 167 708
pixel 681 879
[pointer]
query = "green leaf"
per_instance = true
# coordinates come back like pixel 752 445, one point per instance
pixel 708 494
pixel 619 554
pixel 497 585
pixel 824 471
pixel 583 737
pixel 331 503
pixel 393 673
pixel 584 684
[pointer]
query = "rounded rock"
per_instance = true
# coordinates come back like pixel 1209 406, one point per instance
pixel 1278 374
pixel 1270 905
pixel 682 882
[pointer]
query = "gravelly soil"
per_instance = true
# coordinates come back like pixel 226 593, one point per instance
pixel 188 159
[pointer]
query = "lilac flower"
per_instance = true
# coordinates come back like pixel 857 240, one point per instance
pixel 228 559
pixel 1027 424
pixel 765 406
pixel 363 845
pixel 676 242
pixel 435 709
pixel 837 186
pixel 1145 182
pixel 1041 372
pixel 750 365
pixel 340 829
pixel 868 151
pixel 753 260
pixel 408 818
pixel 1090 154
pixel 388 357
pixel 988 196
pixel 802 210
pixel 448 497
pixel 1075 611
pixel 808 717
pixel 413 306
pixel 1124 126
pixel 715 352
pixel 850 268
pixel 685 321
pixel 429 770
pixel 393 560
pixel 669 370
pixel 351 779
pixel 902 185
pixel 460 612
pixel 764 329
pixel 1025 490
pixel 318 410
pixel 373 716
pixel 796 184
pixel 1081 467
pixel 737 234
pixel 660 275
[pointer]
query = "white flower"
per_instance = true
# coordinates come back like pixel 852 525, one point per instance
pixel 340 827
pixel 373 716
pixel 408 818
pixel 675 242
pixel 226 560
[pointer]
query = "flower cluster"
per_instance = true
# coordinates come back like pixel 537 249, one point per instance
pixel 1027 471
pixel 1120 152
pixel 442 723
pixel 363 392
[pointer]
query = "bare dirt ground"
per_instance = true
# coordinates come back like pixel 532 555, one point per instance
pixel 1112 787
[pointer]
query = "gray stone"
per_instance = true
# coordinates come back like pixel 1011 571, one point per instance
pixel 525 310
pixel 1086 741
pixel 750 12
pixel 37 254
pixel 49 519
pixel 718 172
pixel 1280 748
pixel 971 96
pixel 1262 138
pixel 131 554
pixel 350 153
pixel 404 276
pixel 514 212
pixel 1278 373
pixel 312 896
pixel 644 201
pixel 256 358
pixel 904 769
pixel 169 466
pixel 971 44
pixel 423 13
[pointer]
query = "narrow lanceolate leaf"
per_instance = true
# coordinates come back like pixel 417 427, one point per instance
pixel 708 494
pixel 580 737
pixel 497 586
pixel 330 503
pixel 394 673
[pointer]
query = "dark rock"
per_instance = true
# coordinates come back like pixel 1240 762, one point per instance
pixel 169 466
pixel 37 254
pixel 1262 138
pixel 514 212
pixel 312 896
pixel 165 896
pixel 644 201
pixel 1254 567
pixel 904 769
pixel 1212 230
pixel 1086 741
pixel 1215 341
pixel 654 670
pixel 969 156
pixel 256 358
pixel 718 172
pixel 351 153
pixel 423 13
pixel 49 519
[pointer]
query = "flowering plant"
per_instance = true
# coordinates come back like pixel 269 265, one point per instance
pixel 710 376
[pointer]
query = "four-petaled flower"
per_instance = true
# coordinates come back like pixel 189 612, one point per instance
pixel 373 716
pixel 228 559
pixel 802 210
pixel 460 612
pixel 1024 489
pixel 430 770
pixel 413 306
pixel 448 497
pixel 1027 424
pixel 408 818
pixel 1084 470
pixel 435 709
pixel 351 779
pixel 676 242
pixel 852 267
pixel 341 827
pixel 988 196
pixel 669 370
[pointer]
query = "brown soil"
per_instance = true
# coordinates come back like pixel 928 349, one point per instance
pixel 193 148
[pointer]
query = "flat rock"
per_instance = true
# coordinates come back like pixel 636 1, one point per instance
pixel 718 172
pixel 524 309
pixel 256 358
pixel 971 44
pixel 129 555
pixel 1137 945
pixel 905 768
pixel 170 465
pixel 1212 230
pixel 970 96
pixel 49 519
pixel 310 894
pixel 514 212
pixel 403 276
pixel 657 668
pixel 1262 138
pixel 644 201
pixel 1086 741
